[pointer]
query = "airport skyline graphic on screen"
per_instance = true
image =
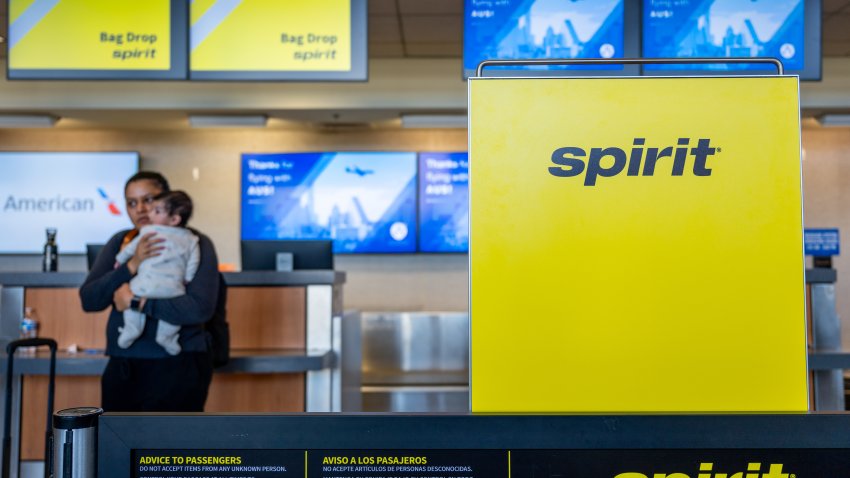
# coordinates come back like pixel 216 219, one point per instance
pixel 79 194
pixel 722 29
pixel 444 202
pixel 529 29
pixel 365 202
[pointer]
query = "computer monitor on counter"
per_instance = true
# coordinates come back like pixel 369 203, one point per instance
pixel 92 251
pixel 287 255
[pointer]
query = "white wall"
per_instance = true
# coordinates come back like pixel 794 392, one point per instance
pixel 394 84
pixel 375 282
pixel 826 202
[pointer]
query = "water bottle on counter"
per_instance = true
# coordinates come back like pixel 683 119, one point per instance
pixel 29 330
pixel 50 259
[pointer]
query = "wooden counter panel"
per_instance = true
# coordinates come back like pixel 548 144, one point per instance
pixel 259 317
pixel 267 317
pixel 70 392
pixel 60 316
pixel 238 392
pixel 228 393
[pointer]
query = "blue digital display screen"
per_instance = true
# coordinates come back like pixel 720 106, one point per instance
pixel 365 202
pixel 821 242
pixel 542 29
pixel 723 29
pixel 443 202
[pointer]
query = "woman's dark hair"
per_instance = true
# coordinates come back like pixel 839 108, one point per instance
pixel 176 203
pixel 156 178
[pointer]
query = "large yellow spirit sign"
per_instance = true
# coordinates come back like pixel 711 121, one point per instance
pixel 636 245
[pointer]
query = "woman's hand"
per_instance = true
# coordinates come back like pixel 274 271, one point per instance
pixel 149 246
pixel 122 298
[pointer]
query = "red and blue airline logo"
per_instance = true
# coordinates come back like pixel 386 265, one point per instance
pixel 113 209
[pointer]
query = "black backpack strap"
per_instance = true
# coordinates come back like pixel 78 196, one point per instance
pixel 218 330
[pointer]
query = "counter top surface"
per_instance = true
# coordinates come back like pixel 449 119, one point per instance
pixel 400 378
pixel 262 278
pixel 241 361
pixel 829 359
pixel 236 279
pixel 820 275
pixel 298 360
pixel 304 277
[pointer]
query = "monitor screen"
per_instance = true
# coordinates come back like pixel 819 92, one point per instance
pixel 443 202
pixel 97 39
pixel 80 194
pixel 547 29
pixel 92 251
pixel 262 255
pixel 788 30
pixel 278 40
pixel 365 202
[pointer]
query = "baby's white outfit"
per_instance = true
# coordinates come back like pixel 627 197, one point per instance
pixel 161 277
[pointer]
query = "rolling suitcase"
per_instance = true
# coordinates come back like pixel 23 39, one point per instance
pixel 7 422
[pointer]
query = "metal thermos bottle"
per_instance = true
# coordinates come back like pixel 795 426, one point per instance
pixel 50 257
pixel 75 442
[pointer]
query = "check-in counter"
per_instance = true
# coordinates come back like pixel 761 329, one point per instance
pixel 827 358
pixel 479 446
pixel 415 361
pixel 418 361
pixel 286 333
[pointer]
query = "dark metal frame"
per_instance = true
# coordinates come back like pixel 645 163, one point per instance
pixel 359 59
pixel 179 69
pixel 479 72
pixel 120 434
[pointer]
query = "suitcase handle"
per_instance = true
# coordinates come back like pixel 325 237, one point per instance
pixel 7 425
pixel 34 342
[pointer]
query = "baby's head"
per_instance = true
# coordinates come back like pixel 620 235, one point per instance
pixel 172 208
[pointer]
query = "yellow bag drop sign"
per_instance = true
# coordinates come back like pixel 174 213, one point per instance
pixel 272 35
pixel 90 35
pixel 636 245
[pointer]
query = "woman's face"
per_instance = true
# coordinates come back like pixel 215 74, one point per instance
pixel 139 197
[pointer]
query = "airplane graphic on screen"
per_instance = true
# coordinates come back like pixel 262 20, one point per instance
pixel 358 171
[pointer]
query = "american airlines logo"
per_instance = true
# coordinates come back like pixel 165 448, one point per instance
pixel 58 203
